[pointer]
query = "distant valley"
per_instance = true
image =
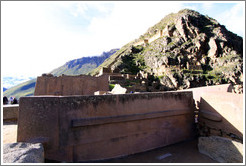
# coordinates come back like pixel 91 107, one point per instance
pixel 4 89
pixel 19 87
pixel 9 82
pixel 184 50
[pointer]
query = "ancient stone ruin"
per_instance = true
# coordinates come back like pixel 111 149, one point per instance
pixel 74 125
pixel 70 85
pixel 78 128
pixel 85 128
pixel 75 119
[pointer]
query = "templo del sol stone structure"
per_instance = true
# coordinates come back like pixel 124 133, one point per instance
pixel 85 128
pixel 70 85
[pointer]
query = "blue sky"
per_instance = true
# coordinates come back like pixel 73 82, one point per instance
pixel 40 36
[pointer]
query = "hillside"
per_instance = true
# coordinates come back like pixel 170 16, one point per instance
pixel 184 50
pixel 73 67
pixel 82 65
pixel 23 89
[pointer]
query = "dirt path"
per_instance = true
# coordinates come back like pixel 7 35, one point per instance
pixel 9 132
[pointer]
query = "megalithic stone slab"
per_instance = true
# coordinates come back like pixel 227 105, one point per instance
pixel 86 128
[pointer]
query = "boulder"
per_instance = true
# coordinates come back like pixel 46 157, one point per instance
pixel 21 152
pixel 213 48
pixel 221 149
pixel 118 90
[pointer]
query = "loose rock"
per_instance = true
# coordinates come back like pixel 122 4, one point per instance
pixel 21 152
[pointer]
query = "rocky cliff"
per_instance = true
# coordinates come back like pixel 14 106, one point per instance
pixel 183 50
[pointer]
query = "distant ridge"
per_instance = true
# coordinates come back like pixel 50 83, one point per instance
pixel 82 65
pixel 73 67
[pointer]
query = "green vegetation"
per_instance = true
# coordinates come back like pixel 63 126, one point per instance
pixel 110 60
pixel 192 71
pixel 161 77
pixel 111 86
pixel 76 70
pixel 23 89
pixel 230 57
pixel 83 65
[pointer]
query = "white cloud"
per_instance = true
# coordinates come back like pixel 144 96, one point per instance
pixel 38 37
pixel 207 5
pixel 128 21
pixel 31 43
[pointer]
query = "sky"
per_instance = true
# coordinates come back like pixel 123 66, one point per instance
pixel 39 36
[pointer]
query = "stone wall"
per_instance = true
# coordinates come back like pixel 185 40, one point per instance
pixel 159 33
pixel 200 91
pixel 221 114
pixel 70 85
pixel 85 128
pixel 10 112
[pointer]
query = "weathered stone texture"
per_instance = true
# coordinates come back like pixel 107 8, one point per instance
pixel 84 128
pixel 222 112
pixel 70 85
pixel 213 48
pixel 198 92
pixel 221 149
pixel 23 153
pixel 10 112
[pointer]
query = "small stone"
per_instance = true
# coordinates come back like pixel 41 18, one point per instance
pixel 118 90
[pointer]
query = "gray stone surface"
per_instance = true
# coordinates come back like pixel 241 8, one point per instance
pixel 23 153
pixel 221 149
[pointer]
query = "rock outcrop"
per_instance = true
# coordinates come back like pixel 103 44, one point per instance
pixel 192 50
pixel 23 153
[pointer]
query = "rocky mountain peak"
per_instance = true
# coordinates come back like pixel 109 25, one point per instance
pixel 184 50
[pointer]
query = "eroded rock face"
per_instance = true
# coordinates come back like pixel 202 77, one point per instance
pixel 23 153
pixel 221 149
pixel 213 48
pixel 197 42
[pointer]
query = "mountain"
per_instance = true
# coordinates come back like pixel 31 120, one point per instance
pixel 4 89
pixel 73 67
pixel 82 65
pixel 9 82
pixel 184 50
pixel 23 89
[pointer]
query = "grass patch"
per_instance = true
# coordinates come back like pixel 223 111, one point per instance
pixel 111 86
pixel 24 89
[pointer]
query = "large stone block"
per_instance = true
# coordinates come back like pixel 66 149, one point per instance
pixel 70 85
pixel 23 153
pixel 224 112
pixel 84 128
pixel 221 149
pixel 10 112
pixel 200 91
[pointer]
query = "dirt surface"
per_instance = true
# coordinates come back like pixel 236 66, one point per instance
pixel 9 132
pixel 183 152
